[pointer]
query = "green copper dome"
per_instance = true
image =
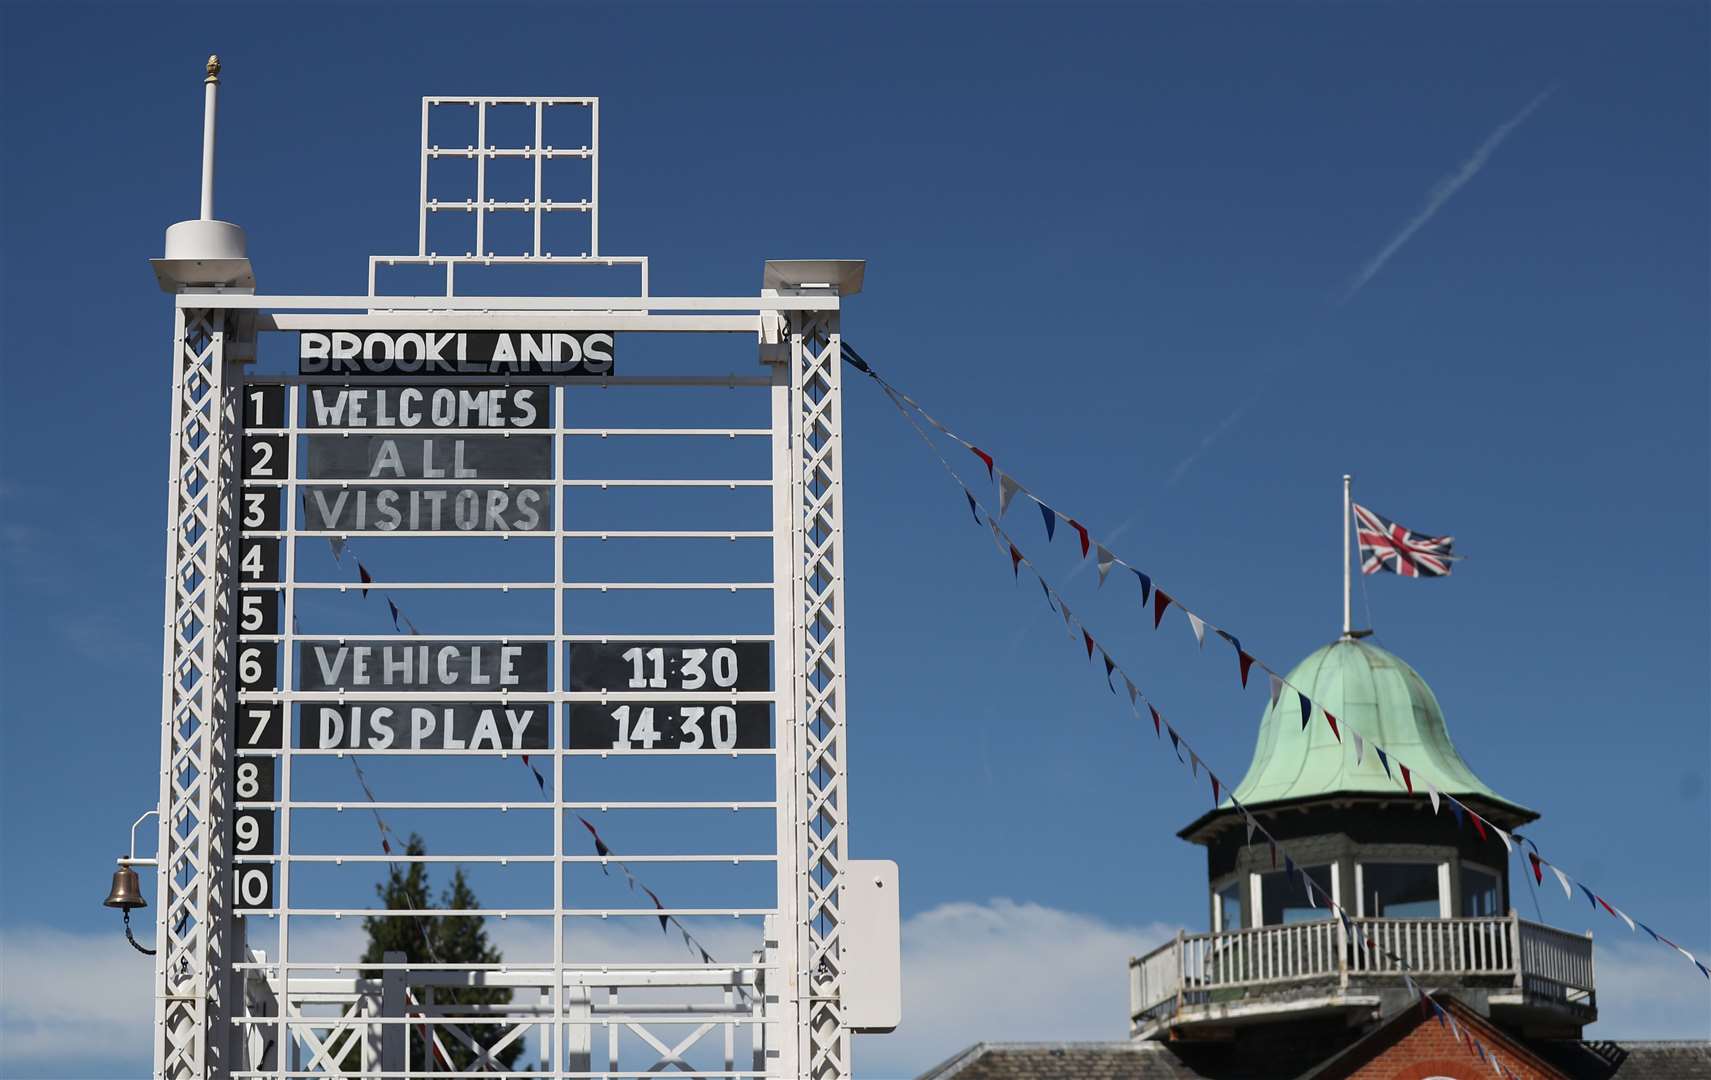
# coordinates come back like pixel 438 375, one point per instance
pixel 1373 692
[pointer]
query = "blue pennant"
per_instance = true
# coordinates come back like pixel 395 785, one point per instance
pixel 1383 760
pixel 1051 521
pixel 1146 586
pixel 973 507
pixel 1306 709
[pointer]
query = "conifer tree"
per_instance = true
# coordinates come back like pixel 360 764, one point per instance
pixel 449 939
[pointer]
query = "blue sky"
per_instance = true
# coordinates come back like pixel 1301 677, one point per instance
pixel 1113 244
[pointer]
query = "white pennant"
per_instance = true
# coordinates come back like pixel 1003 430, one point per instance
pixel 1199 626
pixel 1503 836
pixel 1309 883
pixel 1623 915
pixel 998 538
pixel 337 543
pixel 1194 764
pixel 1251 824
pixel 1433 792
pixel 1563 878
pixel 1276 688
pixel 1360 749
pixel 1007 489
pixel 1133 693
pixel 1106 561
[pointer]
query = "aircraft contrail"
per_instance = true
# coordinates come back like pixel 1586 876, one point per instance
pixel 1441 194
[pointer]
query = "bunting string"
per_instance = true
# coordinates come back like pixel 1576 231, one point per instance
pixel 339 548
pixel 1402 775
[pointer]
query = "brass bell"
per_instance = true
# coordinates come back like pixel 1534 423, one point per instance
pixel 127 892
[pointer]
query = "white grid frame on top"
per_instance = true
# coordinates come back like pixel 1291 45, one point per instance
pixel 799 1008
pixel 479 204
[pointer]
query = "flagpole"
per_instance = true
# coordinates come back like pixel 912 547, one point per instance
pixel 1347 625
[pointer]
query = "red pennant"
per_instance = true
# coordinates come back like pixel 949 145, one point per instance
pixel 1215 788
pixel 1154 711
pixel 1606 907
pixel 1015 561
pixel 385 844
pixel 1329 719
pixel 1082 530
pixel 1085 636
pixel 1246 662
pixel 1406 779
pixel 1160 602
pixel 1478 825
pixel 1538 870
pixel 985 457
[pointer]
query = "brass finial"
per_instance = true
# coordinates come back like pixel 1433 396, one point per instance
pixel 213 70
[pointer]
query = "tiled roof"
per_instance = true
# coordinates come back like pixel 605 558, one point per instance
pixel 1606 1060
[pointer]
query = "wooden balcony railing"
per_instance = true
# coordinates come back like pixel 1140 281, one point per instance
pixel 1197 969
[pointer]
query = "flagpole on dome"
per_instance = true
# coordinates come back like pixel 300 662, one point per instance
pixel 1348 622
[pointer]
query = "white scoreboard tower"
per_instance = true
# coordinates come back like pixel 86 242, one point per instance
pixel 595 655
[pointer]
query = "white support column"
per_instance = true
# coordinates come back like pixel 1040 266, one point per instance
pixel 816 359
pixel 192 927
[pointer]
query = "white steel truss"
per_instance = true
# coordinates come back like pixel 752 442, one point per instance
pixel 192 923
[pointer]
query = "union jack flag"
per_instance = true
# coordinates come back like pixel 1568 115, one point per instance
pixel 1385 545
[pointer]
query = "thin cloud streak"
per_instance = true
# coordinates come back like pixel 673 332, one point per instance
pixel 1211 437
pixel 1441 193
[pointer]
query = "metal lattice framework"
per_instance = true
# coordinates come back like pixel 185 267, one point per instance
pixel 816 356
pixel 191 925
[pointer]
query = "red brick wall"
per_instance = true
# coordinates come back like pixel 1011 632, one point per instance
pixel 1430 1050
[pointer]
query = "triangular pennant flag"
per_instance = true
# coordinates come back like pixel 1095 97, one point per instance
pixel 984 457
pixel 1643 926
pixel 1306 709
pixel 410 626
pixel 1478 824
pixel 337 543
pixel 664 920
pixel 1562 879
pixel 1198 625
pixel 1194 764
pixel 1130 686
pixel 1456 809
pixel 1109 668
pixel 1329 719
pixel 1383 759
pixel 1007 489
pixel 1503 836
pixel 1246 662
pixel 1015 562
pixel 1068 619
pixel 1047 590
pixel 1432 790
pixel 1105 561
pixel 600 847
pixel 1231 638
pixel 1146 585
pixel 1050 516
pixel 1175 741
pixel 1478 1049
pixel 1308 882
pixel 1081 530
pixel 998 536
pixel 1155 718
pixel 1160 601
pixel 540 781
pixel 1407 780
pixel 973 507
pixel 362 572
pixel 1538 871
pixel 1591 901
pixel 1276 686
pixel 1088 638
pixel 1620 914
pixel 1360 748
pixel 1288 864
pixel 1251 823
pixel 394 609
pixel 1216 786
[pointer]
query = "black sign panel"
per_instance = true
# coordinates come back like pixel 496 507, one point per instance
pixel 429 508
pixel 253 779
pixel 397 725
pixel 261 726
pixel 260 509
pixel 252 887
pixel 252 833
pixel 429 457
pixel 454 352
pixel 478 665
pixel 676 725
pixel 460 407
pixel 258 611
pixel 258 666
pixel 264 457
pixel 258 559
pixel 670 665
pixel 264 407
